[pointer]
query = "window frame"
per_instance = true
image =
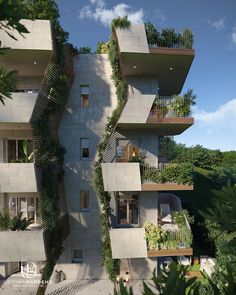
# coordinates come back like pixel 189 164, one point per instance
pixel 84 105
pixel 83 209
pixel 81 149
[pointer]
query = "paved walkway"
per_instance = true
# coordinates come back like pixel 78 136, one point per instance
pixel 89 287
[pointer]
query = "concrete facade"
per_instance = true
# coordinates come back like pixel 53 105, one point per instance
pixel 18 109
pixel 121 177
pixel 89 122
pixel 133 39
pixel 17 177
pixel 38 38
pixel 22 246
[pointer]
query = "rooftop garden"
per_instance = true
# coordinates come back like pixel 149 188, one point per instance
pixel 169 38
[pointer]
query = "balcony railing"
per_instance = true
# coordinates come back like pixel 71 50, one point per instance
pixel 180 173
pixel 170 38
pixel 170 107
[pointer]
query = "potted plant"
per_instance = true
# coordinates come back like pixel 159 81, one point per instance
pixel 160 108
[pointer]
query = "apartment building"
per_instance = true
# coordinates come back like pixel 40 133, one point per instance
pixel 154 75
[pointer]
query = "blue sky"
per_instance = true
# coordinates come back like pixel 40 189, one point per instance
pixel 213 72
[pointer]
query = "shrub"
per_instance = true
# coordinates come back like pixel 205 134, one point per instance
pixel 175 173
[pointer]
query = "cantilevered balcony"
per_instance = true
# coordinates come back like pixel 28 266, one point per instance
pixel 167 115
pixel 171 114
pixel 175 238
pixel 174 234
pixel 136 177
pixel 22 246
pixel 28 54
pixel 18 177
pixel 169 60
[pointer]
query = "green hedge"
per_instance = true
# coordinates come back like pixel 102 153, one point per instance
pixel 177 173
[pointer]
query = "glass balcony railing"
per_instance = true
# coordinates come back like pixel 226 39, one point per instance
pixel 171 107
pixel 170 38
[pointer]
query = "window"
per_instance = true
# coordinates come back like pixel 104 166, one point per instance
pixel 127 209
pixel 84 200
pixel 84 94
pixel 78 256
pixel 28 206
pixel 19 150
pixel 84 148
pixel 127 150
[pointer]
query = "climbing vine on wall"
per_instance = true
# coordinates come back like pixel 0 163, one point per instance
pixel 112 265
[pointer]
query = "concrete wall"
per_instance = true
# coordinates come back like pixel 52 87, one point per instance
pixel 121 177
pixel 142 85
pixel 148 210
pixel 133 39
pixel 17 177
pixel 40 36
pixel 76 123
pixel 22 246
pixel 18 109
pixel 137 109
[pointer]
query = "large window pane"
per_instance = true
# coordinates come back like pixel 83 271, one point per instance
pixel 128 209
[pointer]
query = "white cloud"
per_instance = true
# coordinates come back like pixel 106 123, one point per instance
pixel 224 116
pixel 219 24
pixel 105 15
pixel 214 130
pixel 233 35
pixel 160 15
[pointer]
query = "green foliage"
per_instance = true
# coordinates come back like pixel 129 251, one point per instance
pixel 176 173
pixel 220 175
pixel 153 36
pixel 8 81
pixel 224 208
pixel 84 50
pixel 179 217
pixel 11 13
pixel 152 235
pixel 102 48
pixel 229 158
pixel 47 9
pixel 172 282
pixel 111 265
pixel 16 223
pixel 199 156
pixel 164 239
pixel 168 37
pixel 120 22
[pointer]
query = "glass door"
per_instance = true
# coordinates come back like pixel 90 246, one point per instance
pixel 128 209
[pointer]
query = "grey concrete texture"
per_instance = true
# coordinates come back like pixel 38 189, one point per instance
pixel 132 39
pixel 18 177
pixel 38 38
pixel 128 243
pixel 22 246
pixel 80 122
pixel 137 109
pixel 121 177
pixel 18 109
